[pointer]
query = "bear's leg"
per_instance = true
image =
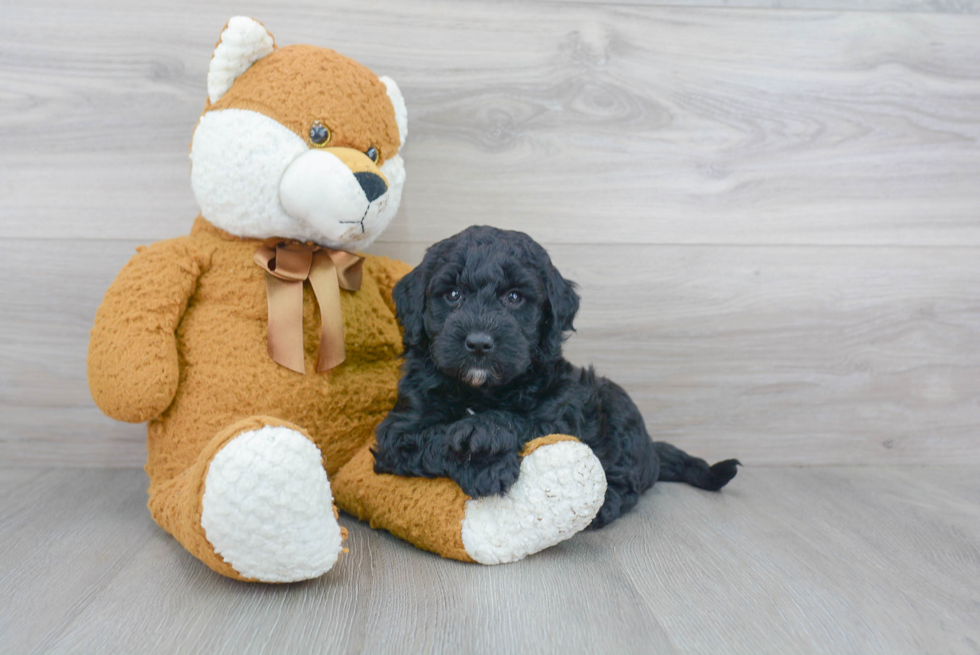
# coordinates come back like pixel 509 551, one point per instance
pixel 255 505
pixel 560 490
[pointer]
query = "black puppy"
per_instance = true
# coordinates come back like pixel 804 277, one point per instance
pixel 484 317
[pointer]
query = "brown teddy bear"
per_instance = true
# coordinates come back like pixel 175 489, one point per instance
pixel 263 351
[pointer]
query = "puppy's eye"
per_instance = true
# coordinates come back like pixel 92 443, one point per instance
pixel 453 296
pixel 372 153
pixel 514 298
pixel 319 135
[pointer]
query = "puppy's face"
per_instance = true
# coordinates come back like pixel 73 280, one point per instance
pixel 486 305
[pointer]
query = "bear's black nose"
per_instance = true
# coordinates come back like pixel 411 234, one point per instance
pixel 374 187
pixel 479 342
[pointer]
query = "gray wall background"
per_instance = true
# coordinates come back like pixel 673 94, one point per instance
pixel 772 208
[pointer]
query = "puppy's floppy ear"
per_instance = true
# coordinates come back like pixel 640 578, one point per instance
pixel 409 296
pixel 563 306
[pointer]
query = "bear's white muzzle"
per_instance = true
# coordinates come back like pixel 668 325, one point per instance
pixel 319 189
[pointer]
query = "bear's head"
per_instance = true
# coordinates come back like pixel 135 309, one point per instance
pixel 297 142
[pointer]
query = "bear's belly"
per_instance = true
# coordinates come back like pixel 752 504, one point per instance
pixel 226 374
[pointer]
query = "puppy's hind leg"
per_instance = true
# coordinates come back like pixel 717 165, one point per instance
pixel 678 466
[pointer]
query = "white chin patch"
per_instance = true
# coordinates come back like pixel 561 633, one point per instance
pixel 255 178
pixel 476 377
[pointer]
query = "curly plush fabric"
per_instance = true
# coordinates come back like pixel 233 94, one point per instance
pixel 560 491
pixel 197 306
pixel 299 84
pixel 243 41
pixel 405 506
pixel 267 506
pixel 243 452
pixel 180 340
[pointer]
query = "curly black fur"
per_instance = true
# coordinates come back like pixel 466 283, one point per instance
pixel 484 316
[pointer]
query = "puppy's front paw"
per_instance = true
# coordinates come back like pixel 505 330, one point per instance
pixel 489 477
pixel 561 487
pixel 469 439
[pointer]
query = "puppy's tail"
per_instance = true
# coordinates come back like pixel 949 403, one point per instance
pixel 678 466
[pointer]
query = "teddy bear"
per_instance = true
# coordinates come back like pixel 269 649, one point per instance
pixel 262 349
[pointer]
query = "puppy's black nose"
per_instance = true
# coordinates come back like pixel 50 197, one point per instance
pixel 373 185
pixel 479 342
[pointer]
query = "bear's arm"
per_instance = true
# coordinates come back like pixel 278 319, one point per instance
pixel 387 272
pixel 132 357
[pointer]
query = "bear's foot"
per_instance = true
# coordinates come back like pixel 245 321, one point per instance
pixel 267 508
pixel 560 490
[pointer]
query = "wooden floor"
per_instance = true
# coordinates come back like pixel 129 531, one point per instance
pixel 786 560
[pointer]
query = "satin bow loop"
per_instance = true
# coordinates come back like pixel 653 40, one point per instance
pixel 287 265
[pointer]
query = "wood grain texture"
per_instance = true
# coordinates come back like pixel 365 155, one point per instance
pixel 822 560
pixel 802 355
pixel 890 6
pixel 606 123
pixel 50 293
pixel 772 209
pixel 842 355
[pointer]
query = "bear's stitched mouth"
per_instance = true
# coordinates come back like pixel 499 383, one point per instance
pixel 380 203
pixel 359 221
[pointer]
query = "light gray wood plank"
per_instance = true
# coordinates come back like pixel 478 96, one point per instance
pixel 538 605
pixel 789 355
pixel 12 479
pixel 50 293
pixel 595 123
pixel 835 560
pixel 176 605
pixel 960 484
pixel 65 535
pixel 914 6
pixel 773 355
pixel 811 560
pixel 384 597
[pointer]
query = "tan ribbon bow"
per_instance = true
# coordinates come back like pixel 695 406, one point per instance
pixel 287 265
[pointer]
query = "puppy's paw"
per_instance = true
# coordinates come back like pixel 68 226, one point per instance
pixel 488 477
pixel 469 440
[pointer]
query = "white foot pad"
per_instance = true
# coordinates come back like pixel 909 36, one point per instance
pixel 268 510
pixel 559 492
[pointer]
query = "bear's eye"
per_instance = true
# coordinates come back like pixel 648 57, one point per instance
pixel 319 135
pixel 372 152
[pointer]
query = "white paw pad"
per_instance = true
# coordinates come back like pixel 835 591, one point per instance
pixel 560 490
pixel 267 507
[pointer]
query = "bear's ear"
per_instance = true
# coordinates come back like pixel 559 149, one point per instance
pixel 398 102
pixel 243 42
